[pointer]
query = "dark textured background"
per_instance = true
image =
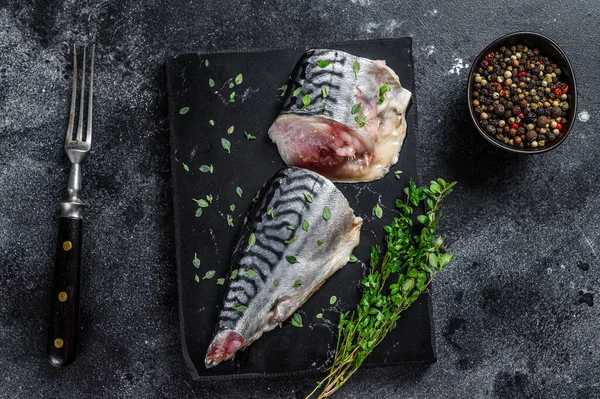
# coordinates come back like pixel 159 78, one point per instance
pixel 513 313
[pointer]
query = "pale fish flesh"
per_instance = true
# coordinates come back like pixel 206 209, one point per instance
pixel 299 232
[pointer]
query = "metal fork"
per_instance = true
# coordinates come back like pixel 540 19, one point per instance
pixel 64 305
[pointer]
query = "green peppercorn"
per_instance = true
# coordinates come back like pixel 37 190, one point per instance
pixel 555 132
pixel 478 78
pixel 534 144
pixel 563 97
pixel 541 143
pixel 501 123
pixel 557 71
pixel 564 105
pixel 483 116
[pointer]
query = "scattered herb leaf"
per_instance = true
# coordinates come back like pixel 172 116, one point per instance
pixel 209 198
pixel 356 68
pixel 198 212
pixel 229 221
pixel 206 168
pixel 397 174
pixel 271 214
pixel 238 191
pixel 211 122
pixel 206 62
pixel 209 274
pixel 239 79
pixel 326 213
pixel 297 283
pixel 249 136
pixel 276 283
pixel 185 167
pixel 291 240
pixel 360 120
pixel 221 281
pixel 240 308
pixel 353 259
pixel 324 92
pixel 308 197
pixel 234 274
pixel 291 259
pixel 319 315
pixel 306 100
pixel 297 320
pixel 323 63
pixel 231 85
pixel 196 261
pixel 282 89
pixel 211 83
pixel 232 97
pixel 356 108
pixel 377 211
pixel 230 130
pixel 184 110
pixel 332 300
pixel 383 89
pixel 305 225
pixel 251 273
pixel 196 278
pixel 232 207
pixel 290 227
pixel 320 242
pixel 251 240
pixel 297 92
pixel 202 203
pixel 226 144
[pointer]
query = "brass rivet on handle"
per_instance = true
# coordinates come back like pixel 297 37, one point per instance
pixel 58 343
pixel 62 296
pixel 67 245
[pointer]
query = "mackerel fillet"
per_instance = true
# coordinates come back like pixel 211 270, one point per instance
pixel 299 232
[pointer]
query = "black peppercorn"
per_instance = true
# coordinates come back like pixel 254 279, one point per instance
pixel 516 109
pixel 556 112
pixel 483 123
pixel 539 111
pixel 499 109
pixel 530 117
pixel 500 136
pixel 541 137
pixel 521 131
pixel 508 114
pixel 531 135
pixel 478 110
pixel 551 137
pixel 491 130
pixel 509 104
pixel 484 64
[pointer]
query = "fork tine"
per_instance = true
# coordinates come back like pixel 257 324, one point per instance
pixel 81 100
pixel 73 99
pixel 88 133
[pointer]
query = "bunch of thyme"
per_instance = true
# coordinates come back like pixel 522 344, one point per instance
pixel 392 285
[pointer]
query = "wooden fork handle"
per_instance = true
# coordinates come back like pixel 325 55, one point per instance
pixel 63 327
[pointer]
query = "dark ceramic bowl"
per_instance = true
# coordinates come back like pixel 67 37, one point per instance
pixel 548 49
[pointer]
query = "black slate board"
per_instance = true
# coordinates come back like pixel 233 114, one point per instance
pixel 195 142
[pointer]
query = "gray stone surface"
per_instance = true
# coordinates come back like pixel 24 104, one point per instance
pixel 526 231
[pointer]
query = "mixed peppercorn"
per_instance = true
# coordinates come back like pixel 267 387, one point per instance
pixel 519 98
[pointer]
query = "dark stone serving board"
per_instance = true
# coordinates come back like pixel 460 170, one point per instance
pixel 195 142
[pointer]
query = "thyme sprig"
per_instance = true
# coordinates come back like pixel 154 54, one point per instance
pixel 408 266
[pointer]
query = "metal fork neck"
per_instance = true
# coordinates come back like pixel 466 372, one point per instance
pixel 72 206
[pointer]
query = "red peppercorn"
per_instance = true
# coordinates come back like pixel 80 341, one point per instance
pixel 565 88
pixel 521 115
pixel 522 73
pixel 559 126
pixel 489 56
pixel 514 126
pixel 502 92
pixel 558 92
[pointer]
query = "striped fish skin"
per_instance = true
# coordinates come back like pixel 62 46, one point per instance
pixel 324 136
pixel 269 285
